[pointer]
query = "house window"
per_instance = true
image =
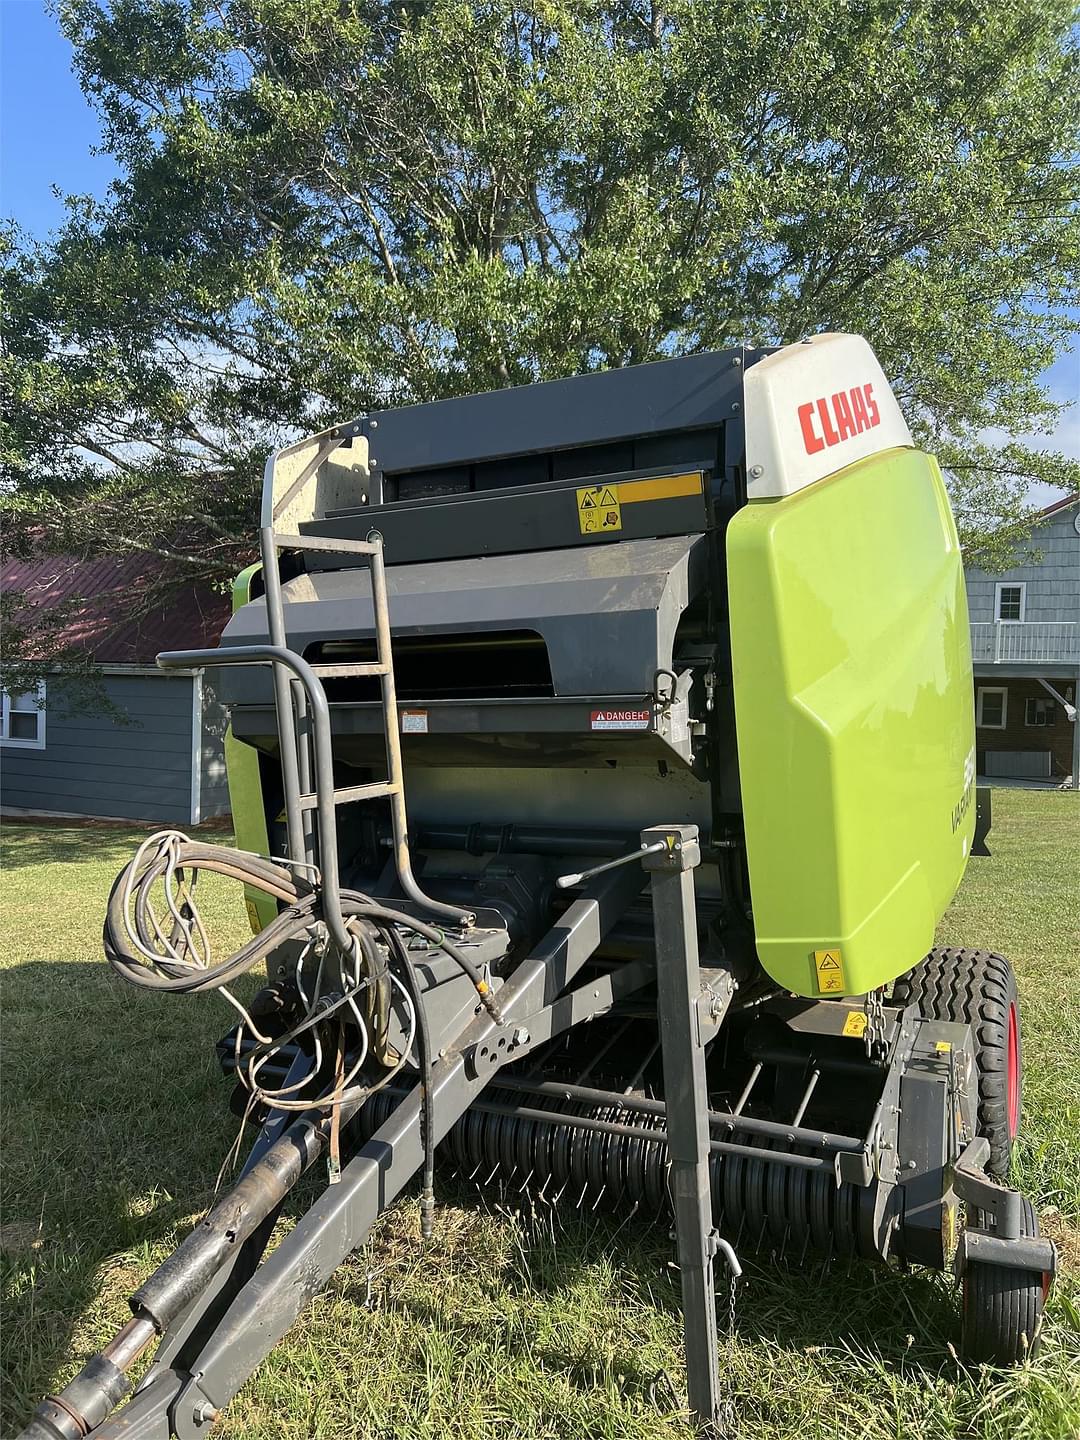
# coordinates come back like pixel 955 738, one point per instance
pixel 1039 712
pixel 22 719
pixel 992 708
pixel 1009 602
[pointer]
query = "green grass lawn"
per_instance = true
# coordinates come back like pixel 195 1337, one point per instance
pixel 115 1123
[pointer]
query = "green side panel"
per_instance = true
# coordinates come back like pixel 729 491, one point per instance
pixel 245 788
pixel 854 711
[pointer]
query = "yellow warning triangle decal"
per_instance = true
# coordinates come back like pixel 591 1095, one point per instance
pixel 827 963
pixel 587 502
pixel 608 498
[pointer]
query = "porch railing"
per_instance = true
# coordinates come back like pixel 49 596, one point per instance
pixel 1026 642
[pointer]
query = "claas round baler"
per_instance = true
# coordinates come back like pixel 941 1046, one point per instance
pixel 602 761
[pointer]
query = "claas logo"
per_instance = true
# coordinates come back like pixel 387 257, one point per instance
pixel 847 413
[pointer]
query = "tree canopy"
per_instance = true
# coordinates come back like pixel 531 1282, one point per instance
pixel 330 205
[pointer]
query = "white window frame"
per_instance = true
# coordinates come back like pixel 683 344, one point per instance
pixel 38 743
pixel 1001 585
pixel 1001 690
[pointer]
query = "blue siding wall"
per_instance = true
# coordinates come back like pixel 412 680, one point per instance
pixel 91 765
pixel 1053 584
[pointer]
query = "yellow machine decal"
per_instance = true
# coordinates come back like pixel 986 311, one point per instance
pixel 599 510
pixel 664 487
pixel 829 966
pixel 599 507
pixel 855 1024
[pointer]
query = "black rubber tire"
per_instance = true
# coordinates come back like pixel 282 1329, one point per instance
pixel 1002 1307
pixel 978 988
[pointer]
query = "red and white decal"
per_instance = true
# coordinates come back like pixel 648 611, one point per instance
pixel 812 409
pixel 620 719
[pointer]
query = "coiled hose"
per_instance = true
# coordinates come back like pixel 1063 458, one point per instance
pixel 170 951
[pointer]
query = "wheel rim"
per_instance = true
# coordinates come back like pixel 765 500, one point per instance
pixel 1013 1072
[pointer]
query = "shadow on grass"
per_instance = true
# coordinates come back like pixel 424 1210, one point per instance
pixel 27 841
pixel 115 1116
pixel 24 844
pixel 906 1320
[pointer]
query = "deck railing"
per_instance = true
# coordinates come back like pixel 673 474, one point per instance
pixel 1026 642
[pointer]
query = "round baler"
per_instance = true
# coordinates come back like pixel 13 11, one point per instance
pixel 602 762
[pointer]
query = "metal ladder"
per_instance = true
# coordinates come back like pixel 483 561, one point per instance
pixel 304 730
pixel 305 784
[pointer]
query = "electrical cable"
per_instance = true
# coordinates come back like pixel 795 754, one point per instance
pixel 139 949
pixel 169 949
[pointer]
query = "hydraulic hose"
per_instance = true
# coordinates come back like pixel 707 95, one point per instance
pixel 144 952
pixel 154 937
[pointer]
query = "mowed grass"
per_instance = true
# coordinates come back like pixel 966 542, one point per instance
pixel 115 1122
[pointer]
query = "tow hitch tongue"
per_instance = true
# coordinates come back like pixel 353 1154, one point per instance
pixel 611 596
pixel 86 1401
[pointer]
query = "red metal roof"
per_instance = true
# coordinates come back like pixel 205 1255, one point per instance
pixel 109 626
pixel 1056 505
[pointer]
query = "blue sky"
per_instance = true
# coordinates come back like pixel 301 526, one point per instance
pixel 47 128
pixel 48 132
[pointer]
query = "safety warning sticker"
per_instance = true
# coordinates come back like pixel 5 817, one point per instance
pixel 598 509
pixel 829 965
pixel 414 722
pixel 855 1024
pixel 619 720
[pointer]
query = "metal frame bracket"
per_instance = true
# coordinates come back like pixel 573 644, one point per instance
pixel 717 992
pixel 1035 1253
pixel 1005 1245
pixel 679 989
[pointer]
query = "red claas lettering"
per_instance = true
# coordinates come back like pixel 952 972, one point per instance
pixel 839 417
pixel 806 419
pixel 845 420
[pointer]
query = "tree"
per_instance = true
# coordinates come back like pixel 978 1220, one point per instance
pixel 329 205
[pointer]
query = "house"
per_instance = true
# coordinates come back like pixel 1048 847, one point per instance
pixel 151 748
pixel 1025 645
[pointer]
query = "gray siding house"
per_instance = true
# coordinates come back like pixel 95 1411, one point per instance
pixel 152 749
pixel 1025 645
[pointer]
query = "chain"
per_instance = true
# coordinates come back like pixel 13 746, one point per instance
pixel 726 1421
pixel 874 1036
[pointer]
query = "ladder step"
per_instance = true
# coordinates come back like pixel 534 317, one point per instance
pixel 373 667
pixel 325 542
pixel 351 793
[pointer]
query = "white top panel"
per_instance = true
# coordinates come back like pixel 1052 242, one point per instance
pixel 813 408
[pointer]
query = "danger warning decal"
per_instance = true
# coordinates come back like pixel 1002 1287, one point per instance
pixel 599 509
pixel 619 719
pixel 829 967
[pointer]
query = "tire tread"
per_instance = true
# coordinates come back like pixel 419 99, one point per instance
pixel 1002 1307
pixel 973 987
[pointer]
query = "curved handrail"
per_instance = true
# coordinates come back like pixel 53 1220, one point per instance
pixel 324 774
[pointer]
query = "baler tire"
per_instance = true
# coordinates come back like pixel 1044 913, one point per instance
pixel 977 988
pixel 1002 1307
